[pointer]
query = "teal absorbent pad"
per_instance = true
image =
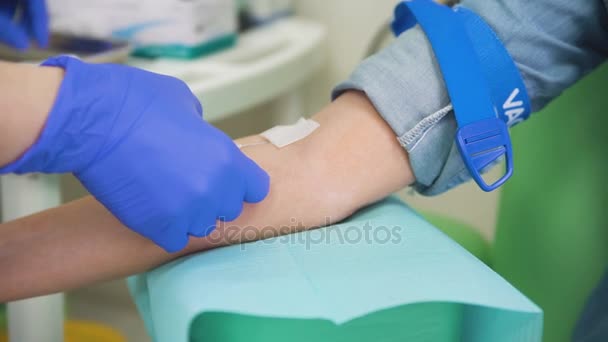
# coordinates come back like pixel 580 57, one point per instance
pixel 338 276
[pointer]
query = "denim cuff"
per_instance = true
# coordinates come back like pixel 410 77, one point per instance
pixel 405 85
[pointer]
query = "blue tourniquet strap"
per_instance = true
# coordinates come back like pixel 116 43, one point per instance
pixel 506 84
pixel 484 85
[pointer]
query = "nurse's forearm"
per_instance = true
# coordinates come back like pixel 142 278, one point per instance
pixel 352 160
pixel 27 93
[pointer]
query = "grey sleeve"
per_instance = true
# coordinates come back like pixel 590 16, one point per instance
pixel 554 43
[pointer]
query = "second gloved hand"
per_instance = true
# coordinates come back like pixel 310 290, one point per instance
pixel 136 140
pixel 32 23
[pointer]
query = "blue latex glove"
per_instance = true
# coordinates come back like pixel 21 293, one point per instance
pixel 32 23
pixel 137 142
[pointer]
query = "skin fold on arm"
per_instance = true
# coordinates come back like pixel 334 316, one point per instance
pixel 351 161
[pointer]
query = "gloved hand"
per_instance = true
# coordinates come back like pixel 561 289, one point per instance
pixel 33 22
pixel 137 142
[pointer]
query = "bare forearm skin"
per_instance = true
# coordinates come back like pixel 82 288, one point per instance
pixel 27 94
pixel 351 161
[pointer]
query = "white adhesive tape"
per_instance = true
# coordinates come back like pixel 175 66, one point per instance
pixel 281 136
pixel 242 146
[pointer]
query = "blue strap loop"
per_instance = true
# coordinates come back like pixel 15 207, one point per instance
pixel 484 85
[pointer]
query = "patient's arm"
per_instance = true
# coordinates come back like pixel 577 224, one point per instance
pixel 352 160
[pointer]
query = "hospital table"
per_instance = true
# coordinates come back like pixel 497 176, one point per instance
pixel 268 64
pixel 384 274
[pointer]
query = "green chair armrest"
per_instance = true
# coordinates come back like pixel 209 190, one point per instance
pixel 466 235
